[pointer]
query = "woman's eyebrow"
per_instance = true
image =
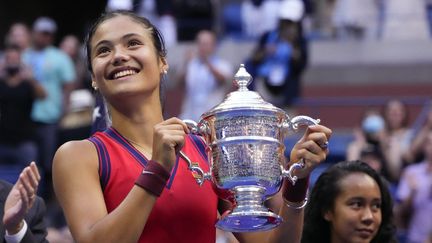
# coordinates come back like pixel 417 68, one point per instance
pixel 102 42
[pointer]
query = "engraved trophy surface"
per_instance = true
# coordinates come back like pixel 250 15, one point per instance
pixel 245 138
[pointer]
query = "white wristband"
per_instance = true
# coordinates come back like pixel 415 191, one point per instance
pixel 16 238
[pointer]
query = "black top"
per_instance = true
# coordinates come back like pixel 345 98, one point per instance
pixel 15 112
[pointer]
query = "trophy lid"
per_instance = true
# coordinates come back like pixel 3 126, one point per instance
pixel 242 98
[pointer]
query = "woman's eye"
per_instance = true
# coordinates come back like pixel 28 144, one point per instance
pixel 102 50
pixel 355 204
pixel 134 43
pixel 376 206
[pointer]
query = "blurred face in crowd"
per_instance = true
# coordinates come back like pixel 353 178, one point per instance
pixel 12 61
pixel 19 35
pixel 288 29
pixel 70 44
pixel 356 213
pixel 395 114
pixel 12 57
pixel 42 39
pixel 206 42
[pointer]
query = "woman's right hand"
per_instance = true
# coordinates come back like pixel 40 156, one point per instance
pixel 168 140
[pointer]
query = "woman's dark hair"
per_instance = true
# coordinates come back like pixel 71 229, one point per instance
pixel 156 37
pixel 326 190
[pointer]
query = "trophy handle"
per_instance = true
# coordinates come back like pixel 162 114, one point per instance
pixel 293 125
pixel 200 176
pixel 197 128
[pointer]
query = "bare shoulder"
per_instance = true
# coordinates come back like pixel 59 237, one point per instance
pixel 76 155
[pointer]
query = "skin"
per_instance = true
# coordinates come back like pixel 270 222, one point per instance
pixel 395 115
pixel 19 34
pixel 21 199
pixel 70 45
pixel 356 214
pixel 136 113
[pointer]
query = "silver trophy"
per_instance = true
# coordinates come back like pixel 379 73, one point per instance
pixel 245 138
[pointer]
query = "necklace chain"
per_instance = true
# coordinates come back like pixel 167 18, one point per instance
pixel 139 147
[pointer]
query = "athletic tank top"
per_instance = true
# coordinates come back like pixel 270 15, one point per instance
pixel 185 211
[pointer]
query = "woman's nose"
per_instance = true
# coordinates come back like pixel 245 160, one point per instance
pixel 367 216
pixel 120 56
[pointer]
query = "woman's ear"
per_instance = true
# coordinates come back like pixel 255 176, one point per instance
pixel 328 215
pixel 93 84
pixel 164 66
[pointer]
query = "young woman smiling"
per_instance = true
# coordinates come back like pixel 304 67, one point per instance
pixel 128 184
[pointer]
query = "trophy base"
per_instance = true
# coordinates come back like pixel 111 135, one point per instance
pixel 249 213
pixel 250 222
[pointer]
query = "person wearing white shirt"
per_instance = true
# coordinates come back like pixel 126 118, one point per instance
pixel 21 210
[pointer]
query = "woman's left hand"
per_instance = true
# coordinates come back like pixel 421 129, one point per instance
pixel 312 148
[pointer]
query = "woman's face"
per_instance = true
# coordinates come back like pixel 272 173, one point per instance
pixel 356 214
pixel 123 58
pixel 395 114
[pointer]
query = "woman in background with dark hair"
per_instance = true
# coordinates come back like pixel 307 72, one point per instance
pixel 349 203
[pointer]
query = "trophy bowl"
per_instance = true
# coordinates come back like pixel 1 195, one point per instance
pixel 245 138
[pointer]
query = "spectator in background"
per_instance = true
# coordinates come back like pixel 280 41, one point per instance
pixel 55 71
pixel 205 75
pixel 396 141
pixel 415 196
pixel 71 45
pixel 19 35
pixel 280 58
pixel 21 211
pixel 18 90
pixel 367 144
pixel 349 203
pixel 367 136
pixel 416 148
pixel 372 156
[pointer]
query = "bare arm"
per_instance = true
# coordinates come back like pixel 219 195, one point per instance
pixel 76 183
pixel 82 198
pixel 39 91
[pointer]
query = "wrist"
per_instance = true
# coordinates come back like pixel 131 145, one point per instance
pixel 153 178
pixel 297 193
pixel 13 229
pixel 296 205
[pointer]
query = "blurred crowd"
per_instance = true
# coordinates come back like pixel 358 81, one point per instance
pixel 46 96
